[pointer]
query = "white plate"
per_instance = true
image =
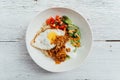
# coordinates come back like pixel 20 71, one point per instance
pixel 48 63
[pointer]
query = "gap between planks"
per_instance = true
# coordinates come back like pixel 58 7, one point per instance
pixel 93 40
pixel 9 41
pixel 106 40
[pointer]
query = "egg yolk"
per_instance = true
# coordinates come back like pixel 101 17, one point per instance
pixel 51 36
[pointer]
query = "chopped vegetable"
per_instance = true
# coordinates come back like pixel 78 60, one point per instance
pixel 72 26
pixel 71 41
pixel 50 20
pixel 66 20
pixel 75 49
pixel 67 57
pixel 74 30
pixel 56 23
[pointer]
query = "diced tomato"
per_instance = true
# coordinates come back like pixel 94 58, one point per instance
pixel 48 21
pixel 52 25
pixel 51 20
pixel 57 17
pixel 57 27
pixel 65 25
pixel 62 27
pixel 56 23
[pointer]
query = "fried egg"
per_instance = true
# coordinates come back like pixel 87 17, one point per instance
pixel 44 39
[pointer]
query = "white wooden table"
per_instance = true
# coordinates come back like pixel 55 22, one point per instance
pixel 102 64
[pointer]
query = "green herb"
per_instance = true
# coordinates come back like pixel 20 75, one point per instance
pixel 67 57
pixel 66 20
pixel 75 49
pixel 78 40
pixel 73 26
pixel 71 41
pixel 78 32
pixel 70 34
pixel 75 30
pixel 74 35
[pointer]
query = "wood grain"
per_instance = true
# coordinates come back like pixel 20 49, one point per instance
pixel 102 64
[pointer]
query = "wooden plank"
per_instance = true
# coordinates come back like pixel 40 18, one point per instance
pixel 102 64
pixel 103 16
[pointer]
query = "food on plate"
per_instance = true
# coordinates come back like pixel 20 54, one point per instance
pixel 58 38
